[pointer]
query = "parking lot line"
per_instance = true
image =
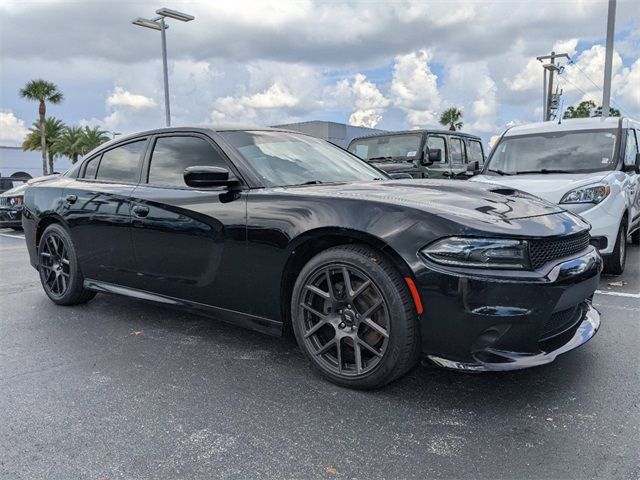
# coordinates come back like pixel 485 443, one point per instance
pixel 619 294
pixel 21 237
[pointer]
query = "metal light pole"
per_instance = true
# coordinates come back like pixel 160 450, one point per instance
pixel 158 23
pixel 608 59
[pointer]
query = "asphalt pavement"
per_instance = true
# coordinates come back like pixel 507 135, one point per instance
pixel 123 389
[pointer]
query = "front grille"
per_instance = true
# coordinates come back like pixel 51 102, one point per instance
pixel 4 201
pixel 561 321
pixel 543 251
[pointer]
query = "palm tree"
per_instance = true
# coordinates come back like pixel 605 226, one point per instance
pixel 451 117
pixel 69 142
pixel 92 138
pixel 34 139
pixel 42 91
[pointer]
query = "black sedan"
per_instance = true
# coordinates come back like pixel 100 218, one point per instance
pixel 270 229
pixel 11 207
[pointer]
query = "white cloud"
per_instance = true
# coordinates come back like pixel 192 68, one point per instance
pixel 530 78
pixel 414 87
pixel 363 97
pixel 12 129
pixel 122 98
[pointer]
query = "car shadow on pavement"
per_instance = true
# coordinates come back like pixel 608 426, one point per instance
pixel 431 386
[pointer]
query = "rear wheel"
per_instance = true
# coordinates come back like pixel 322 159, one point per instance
pixel 353 317
pixel 615 262
pixel 59 270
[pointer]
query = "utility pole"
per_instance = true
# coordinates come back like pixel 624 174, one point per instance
pixel 550 100
pixel 608 59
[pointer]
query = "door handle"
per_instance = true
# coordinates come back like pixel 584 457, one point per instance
pixel 71 198
pixel 140 211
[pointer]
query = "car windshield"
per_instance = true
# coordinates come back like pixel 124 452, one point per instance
pixel 285 159
pixel 570 152
pixel 387 147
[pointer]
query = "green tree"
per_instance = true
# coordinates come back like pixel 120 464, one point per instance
pixel 613 112
pixel 34 140
pixel 92 138
pixel 69 143
pixel 587 109
pixel 42 91
pixel 451 117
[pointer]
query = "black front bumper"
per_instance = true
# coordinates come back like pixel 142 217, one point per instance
pixel 501 320
pixel 10 217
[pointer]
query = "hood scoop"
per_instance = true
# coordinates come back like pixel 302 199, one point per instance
pixel 504 191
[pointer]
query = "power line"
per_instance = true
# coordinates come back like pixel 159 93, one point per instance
pixel 591 96
pixel 572 62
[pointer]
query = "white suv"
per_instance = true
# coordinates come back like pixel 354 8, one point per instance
pixel 590 166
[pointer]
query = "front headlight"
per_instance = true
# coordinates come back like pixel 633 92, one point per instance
pixel 591 194
pixel 478 252
pixel 15 200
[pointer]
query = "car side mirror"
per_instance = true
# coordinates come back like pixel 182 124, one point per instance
pixel 473 167
pixel 432 157
pixel 635 167
pixel 204 176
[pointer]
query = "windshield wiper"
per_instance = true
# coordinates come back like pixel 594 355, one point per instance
pixel 389 159
pixel 499 172
pixel 543 170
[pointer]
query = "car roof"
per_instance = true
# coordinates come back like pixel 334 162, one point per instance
pixel 592 123
pixel 419 130
pixel 199 128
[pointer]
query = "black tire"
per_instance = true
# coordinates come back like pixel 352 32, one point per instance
pixel 60 273
pixel 614 262
pixel 386 336
pixel 635 237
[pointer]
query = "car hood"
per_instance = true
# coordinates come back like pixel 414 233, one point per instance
pixel 447 198
pixel 19 190
pixel 550 187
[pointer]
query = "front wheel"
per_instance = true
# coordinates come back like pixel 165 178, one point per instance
pixel 60 273
pixel 354 319
pixel 614 263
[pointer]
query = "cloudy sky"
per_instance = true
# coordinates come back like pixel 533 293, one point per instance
pixel 389 64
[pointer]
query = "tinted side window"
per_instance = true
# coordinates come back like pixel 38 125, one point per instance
pixel 120 164
pixel 475 152
pixel 438 143
pixel 458 154
pixel 91 168
pixel 172 155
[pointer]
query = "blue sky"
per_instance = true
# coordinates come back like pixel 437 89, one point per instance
pixel 392 65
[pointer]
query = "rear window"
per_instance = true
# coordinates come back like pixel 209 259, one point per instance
pixel 120 164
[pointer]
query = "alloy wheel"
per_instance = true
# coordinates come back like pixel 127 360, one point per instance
pixel 345 320
pixel 55 268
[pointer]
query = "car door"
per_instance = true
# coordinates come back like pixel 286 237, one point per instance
pixel 458 156
pixel 441 169
pixel 98 212
pixel 632 179
pixel 189 243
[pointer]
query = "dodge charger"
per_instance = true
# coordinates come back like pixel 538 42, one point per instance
pixel 274 230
